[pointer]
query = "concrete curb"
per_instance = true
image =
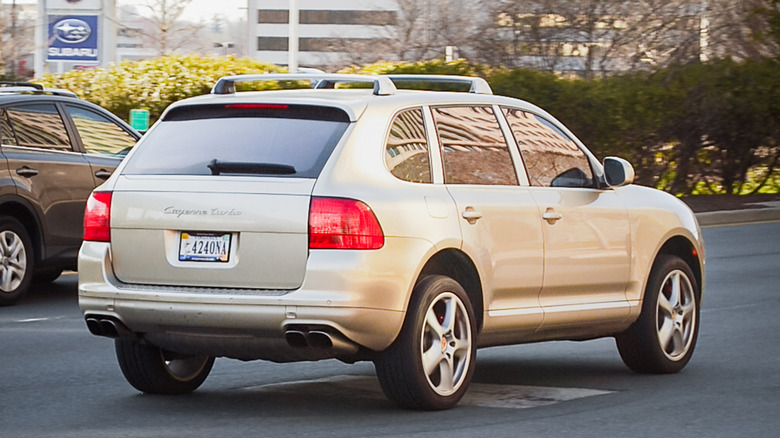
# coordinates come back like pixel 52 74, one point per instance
pixel 746 216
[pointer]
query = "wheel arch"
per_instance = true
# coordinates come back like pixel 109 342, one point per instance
pixel 29 220
pixel 682 247
pixel 457 265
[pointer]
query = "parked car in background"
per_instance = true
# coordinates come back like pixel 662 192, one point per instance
pixel 54 150
pixel 404 227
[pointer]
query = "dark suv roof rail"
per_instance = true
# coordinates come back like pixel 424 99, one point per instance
pixel 476 85
pixel 29 87
pixel 7 84
pixel 383 86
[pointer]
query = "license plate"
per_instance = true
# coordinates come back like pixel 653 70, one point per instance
pixel 204 247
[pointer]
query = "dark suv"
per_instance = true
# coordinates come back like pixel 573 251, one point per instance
pixel 55 148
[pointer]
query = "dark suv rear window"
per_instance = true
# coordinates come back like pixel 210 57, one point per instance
pixel 244 139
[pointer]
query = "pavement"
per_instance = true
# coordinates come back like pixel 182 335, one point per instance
pixel 739 211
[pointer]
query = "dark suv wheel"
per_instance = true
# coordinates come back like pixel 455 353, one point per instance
pixel 16 265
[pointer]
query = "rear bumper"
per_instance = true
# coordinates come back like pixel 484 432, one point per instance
pixel 357 297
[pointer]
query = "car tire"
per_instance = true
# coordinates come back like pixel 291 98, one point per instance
pixel 16 260
pixel 153 370
pixel 662 340
pixel 47 275
pixel 430 365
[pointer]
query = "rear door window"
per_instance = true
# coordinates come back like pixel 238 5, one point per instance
pixel 38 126
pixel 241 139
pixel 474 149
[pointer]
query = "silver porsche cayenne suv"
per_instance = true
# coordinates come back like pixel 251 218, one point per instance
pixel 364 218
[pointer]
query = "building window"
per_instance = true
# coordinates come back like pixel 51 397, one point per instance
pixel 368 18
pixel 281 44
pixel 274 44
pixel 269 16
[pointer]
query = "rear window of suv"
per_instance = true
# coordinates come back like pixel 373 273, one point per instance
pixel 241 139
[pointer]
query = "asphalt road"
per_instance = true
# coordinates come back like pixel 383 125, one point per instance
pixel 57 380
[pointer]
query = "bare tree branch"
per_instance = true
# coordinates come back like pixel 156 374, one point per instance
pixel 164 30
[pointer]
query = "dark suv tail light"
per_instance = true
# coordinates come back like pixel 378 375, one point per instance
pixel 97 217
pixel 337 223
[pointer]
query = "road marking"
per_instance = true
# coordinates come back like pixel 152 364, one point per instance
pixel 33 319
pixel 40 325
pixel 478 395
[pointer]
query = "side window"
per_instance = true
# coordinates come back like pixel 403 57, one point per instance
pixel 98 133
pixel 39 126
pixel 7 135
pixel 406 152
pixel 551 157
pixel 474 150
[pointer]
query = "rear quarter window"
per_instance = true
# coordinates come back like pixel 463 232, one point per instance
pixel 250 139
pixel 406 151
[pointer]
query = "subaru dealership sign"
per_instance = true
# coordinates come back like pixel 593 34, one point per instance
pixel 73 38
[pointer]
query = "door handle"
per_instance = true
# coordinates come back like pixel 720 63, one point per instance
pixel 26 172
pixel 103 174
pixel 551 216
pixel 471 215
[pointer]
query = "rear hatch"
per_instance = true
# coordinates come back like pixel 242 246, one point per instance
pixel 217 196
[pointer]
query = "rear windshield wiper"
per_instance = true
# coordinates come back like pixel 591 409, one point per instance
pixel 220 167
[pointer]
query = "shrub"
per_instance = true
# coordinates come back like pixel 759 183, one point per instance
pixel 152 84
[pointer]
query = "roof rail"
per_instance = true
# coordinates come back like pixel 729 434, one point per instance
pixel 383 86
pixel 31 88
pixel 476 85
pixel 12 84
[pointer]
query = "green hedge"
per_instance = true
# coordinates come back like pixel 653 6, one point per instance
pixel 152 84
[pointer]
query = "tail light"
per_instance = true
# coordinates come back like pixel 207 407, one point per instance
pixel 337 223
pixel 97 217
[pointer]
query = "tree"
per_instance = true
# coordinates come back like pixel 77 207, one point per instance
pixel 410 38
pixel 767 30
pixel 591 37
pixel 723 120
pixel 16 37
pixel 163 28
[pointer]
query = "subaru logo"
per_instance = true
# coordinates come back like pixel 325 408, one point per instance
pixel 72 30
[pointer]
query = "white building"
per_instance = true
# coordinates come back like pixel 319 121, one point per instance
pixel 328 29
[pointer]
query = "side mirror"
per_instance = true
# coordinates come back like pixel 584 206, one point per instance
pixel 618 171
